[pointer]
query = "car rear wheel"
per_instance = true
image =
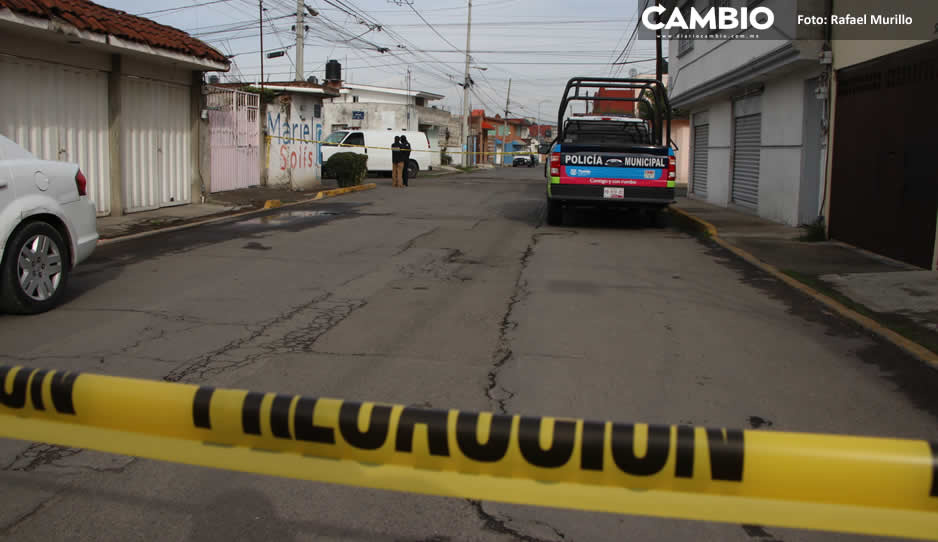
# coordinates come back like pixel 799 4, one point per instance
pixel 34 271
pixel 412 169
pixel 554 212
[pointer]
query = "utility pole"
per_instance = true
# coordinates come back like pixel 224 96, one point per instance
pixel 465 95
pixel 411 106
pixel 507 128
pixel 260 5
pixel 300 34
pixel 658 59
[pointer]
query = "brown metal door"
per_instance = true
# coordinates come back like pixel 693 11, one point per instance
pixel 884 177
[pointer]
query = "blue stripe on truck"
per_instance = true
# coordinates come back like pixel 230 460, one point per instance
pixel 610 172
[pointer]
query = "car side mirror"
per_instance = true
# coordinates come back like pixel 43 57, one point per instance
pixel 543 148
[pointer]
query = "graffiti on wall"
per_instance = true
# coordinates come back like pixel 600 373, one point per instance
pixel 294 154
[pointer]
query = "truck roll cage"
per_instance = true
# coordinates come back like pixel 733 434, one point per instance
pixel 660 124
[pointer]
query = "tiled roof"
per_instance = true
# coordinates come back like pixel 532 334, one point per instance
pixel 91 17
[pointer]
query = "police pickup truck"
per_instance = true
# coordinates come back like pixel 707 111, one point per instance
pixel 612 160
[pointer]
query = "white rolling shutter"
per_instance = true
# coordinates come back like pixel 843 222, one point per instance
pixel 701 159
pixel 59 112
pixel 746 152
pixel 155 134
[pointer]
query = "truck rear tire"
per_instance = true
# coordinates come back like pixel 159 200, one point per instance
pixel 554 212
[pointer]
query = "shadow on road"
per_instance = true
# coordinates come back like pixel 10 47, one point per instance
pixel 611 218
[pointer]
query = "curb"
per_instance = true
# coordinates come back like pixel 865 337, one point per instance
pixel 910 347
pixel 339 191
pixel 274 204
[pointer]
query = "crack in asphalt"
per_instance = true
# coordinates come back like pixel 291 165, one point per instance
pixel 496 525
pixel 326 313
pixel 10 527
pixel 162 315
pixel 413 242
pixel 39 454
pixel 503 352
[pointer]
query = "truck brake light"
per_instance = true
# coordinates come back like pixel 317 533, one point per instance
pixel 554 164
pixel 672 169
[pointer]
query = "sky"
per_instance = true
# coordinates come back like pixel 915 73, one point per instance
pixel 537 44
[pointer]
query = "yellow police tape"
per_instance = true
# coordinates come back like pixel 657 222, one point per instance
pixel 299 140
pixel 853 484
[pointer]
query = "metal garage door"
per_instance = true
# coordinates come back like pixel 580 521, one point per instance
pixel 884 193
pixel 155 135
pixel 59 113
pixel 746 151
pixel 701 159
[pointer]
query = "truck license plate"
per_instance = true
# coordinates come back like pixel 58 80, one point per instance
pixel 613 192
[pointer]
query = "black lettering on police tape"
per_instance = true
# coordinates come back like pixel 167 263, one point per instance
pixel 726 454
pixel 201 407
pixel 594 441
pixel 934 468
pixel 494 448
pixel 434 420
pixel 303 424
pixel 684 463
pixel 35 388
pixel 656 451
pixel 377 432
pixel 16 398
pixel 61 389
pixel 251 413
pixel 561 446
pixel 280 416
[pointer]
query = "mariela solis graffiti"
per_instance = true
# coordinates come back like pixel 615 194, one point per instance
pixel 290 142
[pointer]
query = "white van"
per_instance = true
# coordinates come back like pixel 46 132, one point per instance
pixel 379 159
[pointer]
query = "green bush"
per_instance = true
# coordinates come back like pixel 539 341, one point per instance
pixel 348 168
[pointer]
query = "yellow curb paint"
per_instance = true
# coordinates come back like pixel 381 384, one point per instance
pixel 346 190
pixel 911 347
pixel 273 204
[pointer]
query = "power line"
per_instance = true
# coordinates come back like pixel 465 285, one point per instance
pixel 442 37
pixel 528 24
pixel 180 8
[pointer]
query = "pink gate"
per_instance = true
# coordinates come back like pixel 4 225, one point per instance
pixel 234 128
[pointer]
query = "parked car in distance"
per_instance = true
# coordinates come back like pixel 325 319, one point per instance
pixel 524 160
pixel 47 227
pixel 376 144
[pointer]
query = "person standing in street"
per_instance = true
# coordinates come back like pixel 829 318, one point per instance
pixel 405 158
pixel 397 164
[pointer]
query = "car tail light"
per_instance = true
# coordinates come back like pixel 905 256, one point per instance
pixel 554 164
pixel 82 183
pixel 672 169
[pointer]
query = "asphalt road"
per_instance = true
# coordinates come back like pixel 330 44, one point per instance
pixel 451 294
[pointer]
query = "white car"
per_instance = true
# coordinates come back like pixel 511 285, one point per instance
pixel 47 227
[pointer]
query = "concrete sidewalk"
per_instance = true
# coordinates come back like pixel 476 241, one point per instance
pixel 900 297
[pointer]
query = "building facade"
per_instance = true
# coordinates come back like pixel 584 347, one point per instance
pixel 757 140
pixel 119 95
pixel 293 124
pixel 369 107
